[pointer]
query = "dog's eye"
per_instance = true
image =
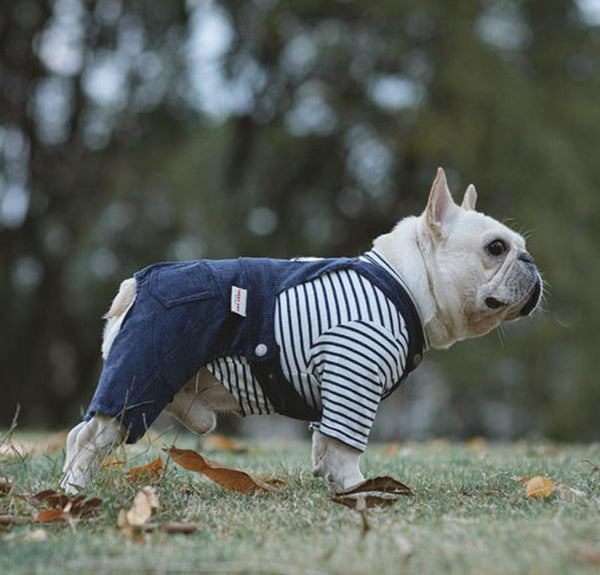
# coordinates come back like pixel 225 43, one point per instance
pixel 496 247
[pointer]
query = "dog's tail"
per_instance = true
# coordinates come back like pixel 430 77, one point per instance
pixel 123 299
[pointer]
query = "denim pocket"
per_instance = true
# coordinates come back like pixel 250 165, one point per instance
pixel 181 283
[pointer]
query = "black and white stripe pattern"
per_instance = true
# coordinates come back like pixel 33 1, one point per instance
pixel 343 345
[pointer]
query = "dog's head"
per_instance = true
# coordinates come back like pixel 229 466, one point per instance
pixel 480 270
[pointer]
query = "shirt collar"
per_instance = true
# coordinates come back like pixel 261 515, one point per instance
pixel 374 257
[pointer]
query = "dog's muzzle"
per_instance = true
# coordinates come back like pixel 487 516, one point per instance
pixel 533 300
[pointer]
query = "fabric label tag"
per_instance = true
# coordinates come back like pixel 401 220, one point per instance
pixel 239 297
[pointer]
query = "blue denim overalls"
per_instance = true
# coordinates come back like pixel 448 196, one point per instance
pixel 181 320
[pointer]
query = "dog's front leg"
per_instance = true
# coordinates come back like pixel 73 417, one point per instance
pixel 87 445
pixel 335 462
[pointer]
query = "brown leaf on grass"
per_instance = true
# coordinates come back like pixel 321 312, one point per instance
pixel 144 504
pixel 232 479
pixel 391 450
pixel 376 492
pixel 178 527
pixel 539 487
pixel 78 506
pixel 50 516
pixel 112 462
pixel 150 472
pixel 6 485
pixel 476 444
pixel 132 521
pixel 218 442
pixel 50 498
pixel 135 533
pixel 382 484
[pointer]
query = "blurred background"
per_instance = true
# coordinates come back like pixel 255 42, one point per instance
pixel 139 131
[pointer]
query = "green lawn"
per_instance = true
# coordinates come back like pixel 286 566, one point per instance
pixel 467 516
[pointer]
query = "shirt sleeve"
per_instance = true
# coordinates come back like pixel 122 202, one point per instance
pixel 356 362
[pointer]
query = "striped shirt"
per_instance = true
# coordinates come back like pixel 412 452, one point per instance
pixel 343 346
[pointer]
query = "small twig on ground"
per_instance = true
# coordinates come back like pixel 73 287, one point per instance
pixel 595 467
pixel 12 427
pixel 361 507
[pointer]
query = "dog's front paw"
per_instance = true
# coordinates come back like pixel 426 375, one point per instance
pixel 71 485
pixel 335 462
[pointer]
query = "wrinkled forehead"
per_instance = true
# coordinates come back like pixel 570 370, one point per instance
pixel 471 225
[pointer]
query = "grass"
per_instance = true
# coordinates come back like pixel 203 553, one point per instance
pixel 468 516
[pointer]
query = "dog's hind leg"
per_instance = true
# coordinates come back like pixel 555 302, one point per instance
pixel 196 402
pixel 87 445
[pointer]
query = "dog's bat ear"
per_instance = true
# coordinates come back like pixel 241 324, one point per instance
pixel 441 208
pixel 470 198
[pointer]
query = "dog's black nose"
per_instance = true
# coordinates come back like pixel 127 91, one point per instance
pixel 526 257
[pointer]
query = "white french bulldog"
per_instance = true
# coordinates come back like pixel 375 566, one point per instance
pixel 466 272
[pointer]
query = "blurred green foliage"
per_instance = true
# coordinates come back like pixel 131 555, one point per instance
pixel 132 132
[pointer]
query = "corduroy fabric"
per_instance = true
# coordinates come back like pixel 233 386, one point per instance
pixel 181 320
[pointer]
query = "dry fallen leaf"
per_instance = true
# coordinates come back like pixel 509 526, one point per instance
pixel 391 449
pixel 144 504
pixel 232 479
pixel 218 442
pixel 178 527
pixel 476 444
pixel 81 506
pixel 112 462
pixel 50 516
pixel 149 472
pixel 50 498
pixel 376 492
pixel 382 484
pixel 539 487
pixel 60 506
pixel 132 522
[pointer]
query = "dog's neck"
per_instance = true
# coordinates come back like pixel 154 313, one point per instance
pixel 404 248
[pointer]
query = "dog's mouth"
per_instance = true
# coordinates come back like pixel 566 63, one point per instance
pixel 495 304
pixel 532 302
